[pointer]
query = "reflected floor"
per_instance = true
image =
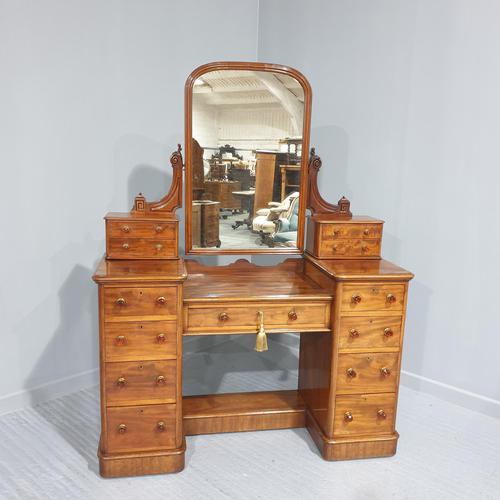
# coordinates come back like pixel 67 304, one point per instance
pixel 242 237
pixel 238 238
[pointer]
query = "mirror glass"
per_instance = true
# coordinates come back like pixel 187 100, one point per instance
pixel 247 129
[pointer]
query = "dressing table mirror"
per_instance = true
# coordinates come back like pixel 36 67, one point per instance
pixel 249 179
pixel 246 177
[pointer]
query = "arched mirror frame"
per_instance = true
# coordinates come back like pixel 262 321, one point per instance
pixel 188 118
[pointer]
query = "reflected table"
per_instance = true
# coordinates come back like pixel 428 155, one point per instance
pixel 247 199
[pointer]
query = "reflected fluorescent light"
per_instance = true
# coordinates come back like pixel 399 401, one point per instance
pixel 199 81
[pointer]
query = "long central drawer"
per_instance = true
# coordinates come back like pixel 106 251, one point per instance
pixel 245 318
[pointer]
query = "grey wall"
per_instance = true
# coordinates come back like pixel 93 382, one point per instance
pixel 91 100
pixel 406 117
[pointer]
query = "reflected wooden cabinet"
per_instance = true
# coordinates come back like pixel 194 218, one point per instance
pixel 347 304
pixel 222 192
pixel 205 227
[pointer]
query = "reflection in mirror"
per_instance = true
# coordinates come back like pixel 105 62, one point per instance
pixel 247 129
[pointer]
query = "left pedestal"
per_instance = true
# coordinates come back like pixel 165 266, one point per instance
pixel 140 308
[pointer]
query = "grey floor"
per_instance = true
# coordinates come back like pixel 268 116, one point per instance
pixel 445 451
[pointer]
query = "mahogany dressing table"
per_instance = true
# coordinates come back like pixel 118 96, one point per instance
pixel 346 303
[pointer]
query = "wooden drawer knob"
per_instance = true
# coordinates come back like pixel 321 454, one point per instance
pixel 351 372
pixel 356 299
pixel 354 333
pixel 292 315
pixel 385 371
pixel 121 382
pixel 120 301
pixel 390 298
pixel 223 316
pixel 126 229
pixel 121 339
pixel 125 246
pixel 364 248
pixel 159 229
pixel 158 247
pixel 366 232
pixel 122 428
pixel 334 248
pixel 388 332
pixel 348 416
pixel 161 300
pixel 161 426
pixel 161 380
pixel 161 338
pixel 381 414
pixel 336 232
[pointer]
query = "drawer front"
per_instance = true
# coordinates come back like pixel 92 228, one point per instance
pixel 338 231
pixel 365 332
pixel 142 301
pixel 364 414
pixel 126 341
pixel 141 229
pixel 139 428
pixel 246 318
pixel 141 248
pixel 372 372
pixel 350 248
pixel 140 382
pixel 373 297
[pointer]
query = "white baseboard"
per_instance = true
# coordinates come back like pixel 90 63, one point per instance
pixel 73 383
pixel 50 390
pixel 452 394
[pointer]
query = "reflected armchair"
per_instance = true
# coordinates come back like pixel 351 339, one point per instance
pixel 278 223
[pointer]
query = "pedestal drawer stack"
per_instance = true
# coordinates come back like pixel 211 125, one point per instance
pixel 368 334
pixel 352 395
pixel 141 396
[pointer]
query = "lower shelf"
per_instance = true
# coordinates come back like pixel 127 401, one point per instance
pixel 247 411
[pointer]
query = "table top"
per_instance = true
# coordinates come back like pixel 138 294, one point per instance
pixel 245 281
pixel 243 193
